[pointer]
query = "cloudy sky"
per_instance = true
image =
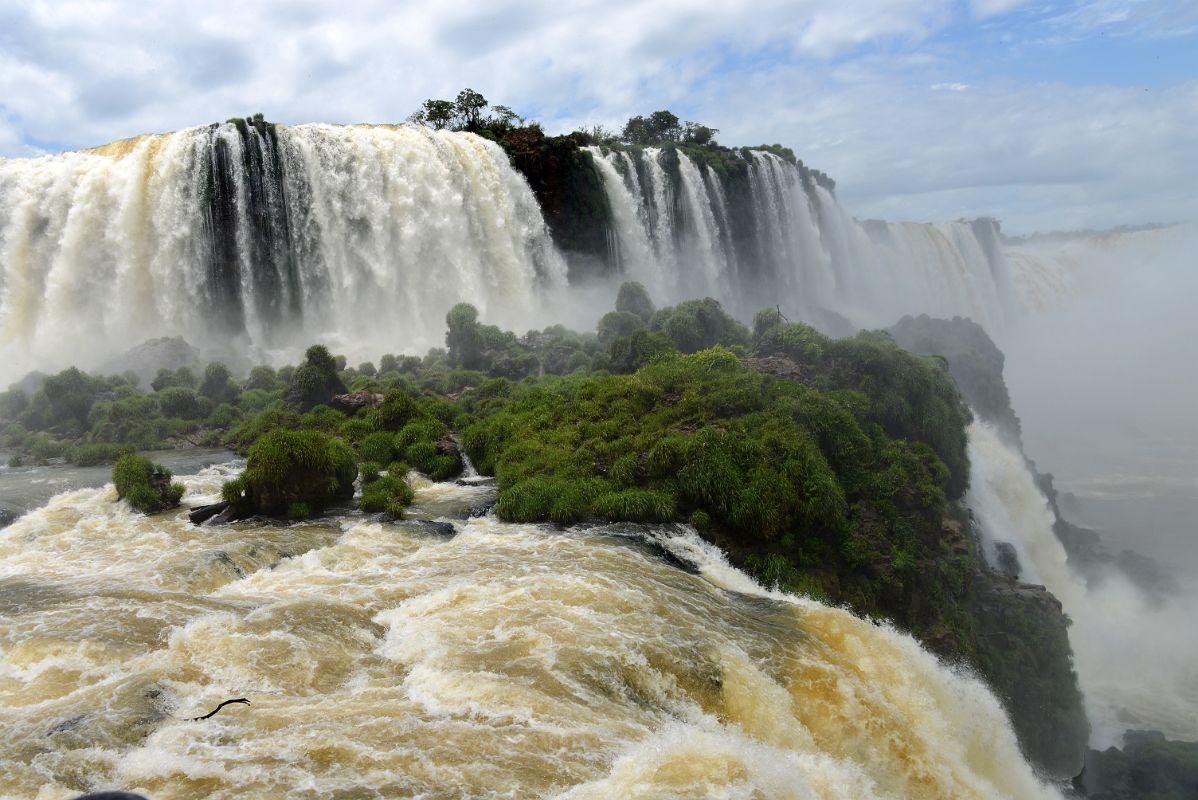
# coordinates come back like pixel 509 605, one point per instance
pixel 1049 114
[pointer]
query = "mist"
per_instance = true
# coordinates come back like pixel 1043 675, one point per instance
pixel 1105 389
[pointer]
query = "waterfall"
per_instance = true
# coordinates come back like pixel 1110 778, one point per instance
pixel 703 250
pixel 267 237
pixel 257 239
pixel 1134 664
pixel 381 660
pixel 779 236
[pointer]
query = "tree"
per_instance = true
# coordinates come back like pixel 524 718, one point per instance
pixel 437 113
pixel 633 298
pixel 464 339
pixel 506 116
pixel 468 108
pixel 218 385
pixel 660 126
pixel 696 133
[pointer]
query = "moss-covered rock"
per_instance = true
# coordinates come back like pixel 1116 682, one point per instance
pixel 1023 650
pixel 1148 766
pixel 289 472
pixel 146 485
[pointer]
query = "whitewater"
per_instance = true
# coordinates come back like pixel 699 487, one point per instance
pixel 506 661
pixel 252 241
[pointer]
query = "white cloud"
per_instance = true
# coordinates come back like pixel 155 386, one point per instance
pixel 983 9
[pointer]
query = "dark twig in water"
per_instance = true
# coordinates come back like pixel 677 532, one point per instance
pixel 218 708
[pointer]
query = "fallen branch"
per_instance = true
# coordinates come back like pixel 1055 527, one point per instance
pixel 218 708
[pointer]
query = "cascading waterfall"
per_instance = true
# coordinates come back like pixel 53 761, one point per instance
pixel 256 239
pixel 785 239
pixel 507 661
pixel 271 236
pixel 1135 667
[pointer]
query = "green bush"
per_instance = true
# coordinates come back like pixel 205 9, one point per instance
pixel 633 299
pixel 91 455
pixel 178 401
pixel 285 467
pixel 378 447
pixel 147 486
pixel 390 493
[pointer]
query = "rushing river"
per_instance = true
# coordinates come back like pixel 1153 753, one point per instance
pixel 394 660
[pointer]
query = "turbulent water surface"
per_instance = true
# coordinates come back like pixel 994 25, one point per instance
pixel 385 660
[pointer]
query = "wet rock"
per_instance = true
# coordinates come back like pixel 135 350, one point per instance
pixel 1024 653
pixel 229 514
pixel 8 517
pixel 1008 559
pixel 201 514
pixel 351 403
pixel 480 510
pixel 110 796
pixel 443 529
pixel 1148 765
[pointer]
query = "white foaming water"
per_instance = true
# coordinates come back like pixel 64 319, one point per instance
pixel 1137 663
pixel 360 236
pixel 508 661
pixel 805 252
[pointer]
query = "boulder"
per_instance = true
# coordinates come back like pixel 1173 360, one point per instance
pixel 354 401
pixel 8 516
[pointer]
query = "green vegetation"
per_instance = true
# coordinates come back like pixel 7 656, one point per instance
pixel 147 486
pixel 293 474
pixel 974 361
pixel 830 467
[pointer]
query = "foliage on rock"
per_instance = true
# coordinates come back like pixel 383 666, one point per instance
pixel 146 485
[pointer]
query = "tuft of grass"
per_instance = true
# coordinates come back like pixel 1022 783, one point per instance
pixel 144 484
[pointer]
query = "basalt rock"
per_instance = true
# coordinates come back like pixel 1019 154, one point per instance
pixel 354 401
pixel 1024 653
pixel 201 514
pixel 8 517
pixel 1149 765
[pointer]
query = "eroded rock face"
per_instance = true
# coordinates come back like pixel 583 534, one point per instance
pixel 1024 653
pixel 144 360
pixel 778 366
pixel 1149 765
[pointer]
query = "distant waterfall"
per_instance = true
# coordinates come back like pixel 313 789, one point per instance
pixel 762 231
pixel 1133 667
pixel 264 237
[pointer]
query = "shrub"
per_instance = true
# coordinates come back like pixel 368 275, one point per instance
pixel 633 299
pixel 285 467
pixel 369 471
pixel 218 385
pixel 316 380
pixel 91 455
pixel 378 447
pixel 390 493
pixel 177 401
pixel 147 486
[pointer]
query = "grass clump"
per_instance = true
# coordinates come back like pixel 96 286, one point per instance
pixel 389 493
pixel 288 468
pixel 146 485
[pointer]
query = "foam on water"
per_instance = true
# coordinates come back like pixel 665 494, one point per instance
pixel 507 661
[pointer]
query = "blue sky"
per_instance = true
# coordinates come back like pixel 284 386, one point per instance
pixel 1047 115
